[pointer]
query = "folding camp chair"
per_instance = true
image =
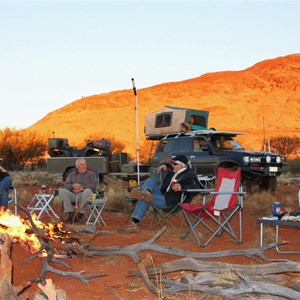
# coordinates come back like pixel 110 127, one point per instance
pixel 161 216
pixel 12 198
pixel 226 202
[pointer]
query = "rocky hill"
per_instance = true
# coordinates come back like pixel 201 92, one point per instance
pixel 262 100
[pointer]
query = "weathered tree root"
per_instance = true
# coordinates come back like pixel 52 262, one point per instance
pixel 8 292
pixel 190 264
pixel 253 280
pixel 249 286
pixel 133 250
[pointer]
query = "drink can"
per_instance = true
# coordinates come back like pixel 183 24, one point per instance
pixel 276 208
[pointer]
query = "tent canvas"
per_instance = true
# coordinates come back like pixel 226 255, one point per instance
pixel 170 119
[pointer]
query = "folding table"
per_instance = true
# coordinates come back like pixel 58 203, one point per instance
pixel 96 208
pixel 277 224
pixel 42 203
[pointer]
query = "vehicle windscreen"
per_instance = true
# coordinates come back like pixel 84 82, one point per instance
pixel 225 143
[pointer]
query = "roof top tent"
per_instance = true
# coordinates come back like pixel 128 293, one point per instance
pixel 170 119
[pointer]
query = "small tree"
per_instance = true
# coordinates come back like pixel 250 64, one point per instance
pixel 288 146
pixel 21 147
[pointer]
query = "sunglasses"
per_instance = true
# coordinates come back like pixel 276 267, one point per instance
pixel 175 164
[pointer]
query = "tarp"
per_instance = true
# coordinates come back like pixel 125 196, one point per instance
pixel 171 119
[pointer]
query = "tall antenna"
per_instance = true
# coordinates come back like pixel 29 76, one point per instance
pixel 137 131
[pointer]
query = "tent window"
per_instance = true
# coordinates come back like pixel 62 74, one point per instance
pixel 198 120
pixel 163 120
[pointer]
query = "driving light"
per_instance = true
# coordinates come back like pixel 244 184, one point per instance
pixel 268 159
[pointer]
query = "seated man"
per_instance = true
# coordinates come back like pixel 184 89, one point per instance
pixel 78 187
pixel 5 184
pixel 169 194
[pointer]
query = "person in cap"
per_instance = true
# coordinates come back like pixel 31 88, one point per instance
pixel 5 184
pixel 179 176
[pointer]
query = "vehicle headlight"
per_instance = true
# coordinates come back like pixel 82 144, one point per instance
pixel 278 159
pixel 246 159
pixel 268 159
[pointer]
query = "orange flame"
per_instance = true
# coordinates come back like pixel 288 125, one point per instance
pixel 20 230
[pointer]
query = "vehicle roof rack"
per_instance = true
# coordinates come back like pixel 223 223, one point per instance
pixel 191 133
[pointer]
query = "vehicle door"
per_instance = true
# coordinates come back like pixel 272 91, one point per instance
pixel 164 151
pixel 202 158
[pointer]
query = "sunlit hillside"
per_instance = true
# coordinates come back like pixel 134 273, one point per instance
pixel 262 100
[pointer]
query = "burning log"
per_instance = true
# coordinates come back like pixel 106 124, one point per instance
pixel 51 258
pixel 41 246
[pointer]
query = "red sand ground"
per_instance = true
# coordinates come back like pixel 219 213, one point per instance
pixel 117 267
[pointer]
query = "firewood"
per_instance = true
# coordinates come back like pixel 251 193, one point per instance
pixel 8 292
pixel 190 264
pixel 48 289
pixel 250 286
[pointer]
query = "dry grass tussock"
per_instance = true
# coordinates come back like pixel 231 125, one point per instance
pixel 260 203
pixel 289 179
pixel 115 193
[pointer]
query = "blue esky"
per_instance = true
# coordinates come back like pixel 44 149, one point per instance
pixel 55 52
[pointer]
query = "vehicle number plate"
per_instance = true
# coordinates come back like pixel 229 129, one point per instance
pixel 273 169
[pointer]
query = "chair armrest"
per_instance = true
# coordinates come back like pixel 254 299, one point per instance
pixel 199 191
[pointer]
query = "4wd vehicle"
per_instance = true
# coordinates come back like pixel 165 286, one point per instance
pixel 209 149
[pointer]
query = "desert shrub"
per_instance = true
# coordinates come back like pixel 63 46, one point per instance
pixel 286 145
pixel 260 203
pixel 21 147
pixel 23 197
pixel 115 194
pixel 294 166
pixel 29 178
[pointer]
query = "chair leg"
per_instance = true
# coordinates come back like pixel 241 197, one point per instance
pixel 225 225
pixel 163 217
pixel 192 228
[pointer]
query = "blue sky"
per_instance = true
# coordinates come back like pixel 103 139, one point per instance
pixel 55 52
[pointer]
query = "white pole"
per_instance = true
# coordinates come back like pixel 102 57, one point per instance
pixel 137 131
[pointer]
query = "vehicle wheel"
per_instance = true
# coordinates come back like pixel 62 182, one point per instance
pixel 269 184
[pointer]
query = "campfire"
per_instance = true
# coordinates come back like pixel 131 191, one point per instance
pixel 20 231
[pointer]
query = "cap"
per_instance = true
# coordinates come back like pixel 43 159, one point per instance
pixel 180 158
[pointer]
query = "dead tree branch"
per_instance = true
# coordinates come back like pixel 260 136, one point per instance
pixel 190 264
pixel 133 250
pixel 251 286
pixel 8 292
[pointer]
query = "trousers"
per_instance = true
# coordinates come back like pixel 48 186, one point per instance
pixel 5 184
pixel 142 206
pixel 69 199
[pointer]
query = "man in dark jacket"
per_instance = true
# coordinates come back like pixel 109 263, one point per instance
pixel 179 178
pixel 5 184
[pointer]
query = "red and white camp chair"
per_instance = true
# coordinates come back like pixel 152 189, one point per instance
pixel 227 201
